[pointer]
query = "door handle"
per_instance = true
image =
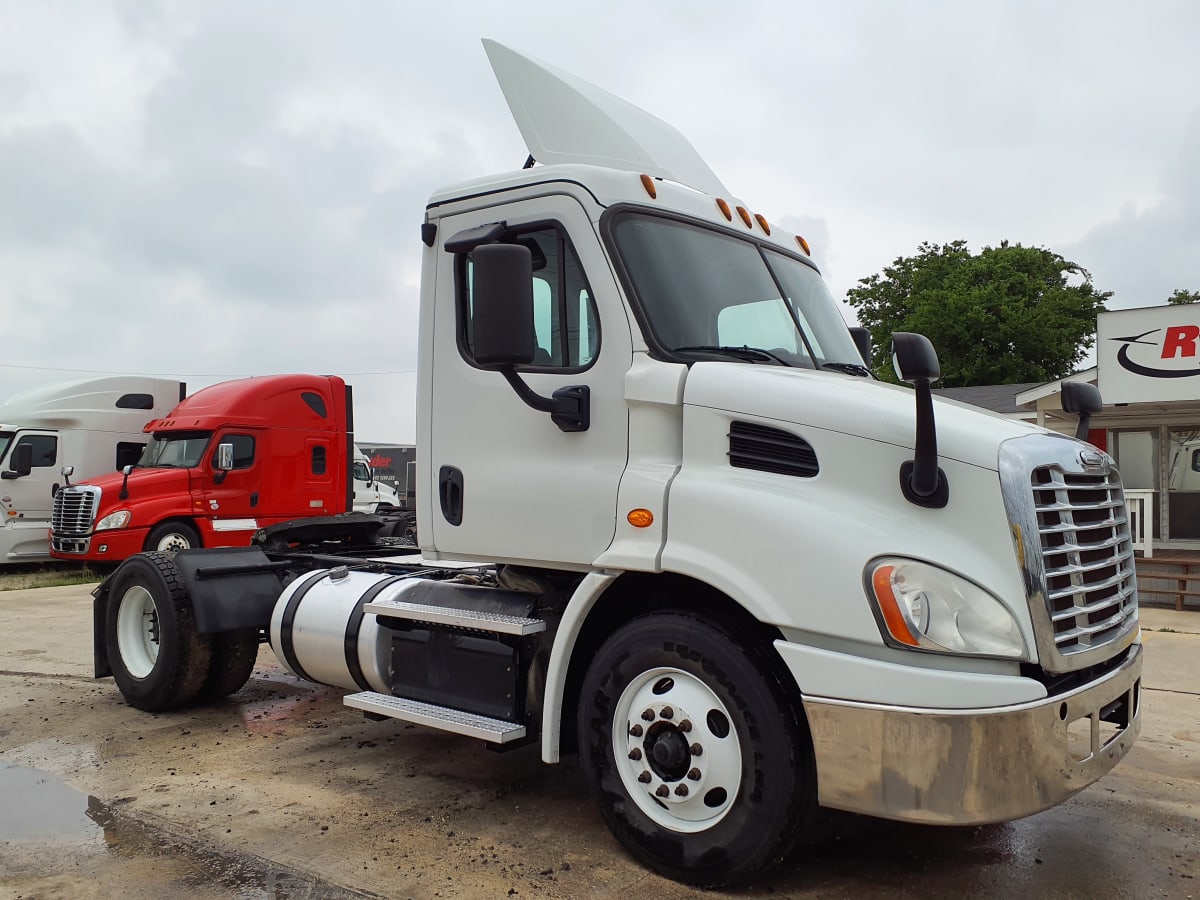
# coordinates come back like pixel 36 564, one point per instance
pixel 450 492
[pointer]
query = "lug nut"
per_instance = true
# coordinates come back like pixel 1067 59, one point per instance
pixel 663 791
pixel 667 713
pixel 694 775
pixel 635 753
pixel 645 777
pixel 636 731
pixel 681 790
pixel 648 715
pixel 697 750
pixel 685 726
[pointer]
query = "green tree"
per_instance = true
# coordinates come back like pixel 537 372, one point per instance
pixel 1005 315
pixel 1181 296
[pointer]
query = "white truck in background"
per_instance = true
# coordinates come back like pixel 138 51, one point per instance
pixel 370 494
pixel 668 519
pixel 94 425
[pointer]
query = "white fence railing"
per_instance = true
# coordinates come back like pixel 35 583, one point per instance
pixel 1141 527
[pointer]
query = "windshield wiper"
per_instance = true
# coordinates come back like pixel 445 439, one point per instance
pixel 848 368
pixel 743 352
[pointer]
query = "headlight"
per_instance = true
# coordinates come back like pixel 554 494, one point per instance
pixel 119 519
pixel 928 608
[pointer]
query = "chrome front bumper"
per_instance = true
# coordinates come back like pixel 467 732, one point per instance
pixel 974 766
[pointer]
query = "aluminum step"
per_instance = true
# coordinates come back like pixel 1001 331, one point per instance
pixel 498 731
pixel 461 618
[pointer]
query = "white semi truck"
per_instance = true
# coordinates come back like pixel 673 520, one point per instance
pixel 94 425
pixel 370 494
pixel 668 520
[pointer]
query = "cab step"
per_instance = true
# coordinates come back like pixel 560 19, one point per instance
pixel 497 623
pixel 496 731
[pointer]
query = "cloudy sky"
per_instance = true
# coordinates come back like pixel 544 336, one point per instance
pixel 221 189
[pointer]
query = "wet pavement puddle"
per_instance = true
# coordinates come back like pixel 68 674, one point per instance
pixel 41 816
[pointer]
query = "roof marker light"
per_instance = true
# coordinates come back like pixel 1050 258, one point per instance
pixel 648 184
pixel 745 214
pixel 724 208
pixel 762 223
pixel 804 245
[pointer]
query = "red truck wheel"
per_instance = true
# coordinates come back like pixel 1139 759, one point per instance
pixel 158 659
pixel 170 537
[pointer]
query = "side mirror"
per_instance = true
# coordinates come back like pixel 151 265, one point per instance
pixel 862 340
pixel 502 298
pixel 1081 399
pixel 916 362
pixel 914 358
pixel 21 462
pixel 67 471
pixel 224 457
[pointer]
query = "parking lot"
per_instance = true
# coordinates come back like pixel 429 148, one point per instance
pixel 282 792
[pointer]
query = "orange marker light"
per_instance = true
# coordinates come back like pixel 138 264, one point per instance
pixel 640 518
pixel 762 223
pixel 724 208
pixel 745 214
pixel 803 245
pixel 648 184
pixel 881 581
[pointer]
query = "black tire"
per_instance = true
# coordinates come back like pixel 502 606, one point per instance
pixel 158 659
pixel 233 656
pixel 709 830
pixel 170 537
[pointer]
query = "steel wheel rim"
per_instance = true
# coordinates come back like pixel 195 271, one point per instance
pixel 657 713
pixel 173 542
pixel 137 632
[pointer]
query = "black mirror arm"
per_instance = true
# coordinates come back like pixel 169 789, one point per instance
pixel 921 481
pixel 569 407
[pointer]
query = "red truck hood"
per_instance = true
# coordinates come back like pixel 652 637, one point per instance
pixel 143 483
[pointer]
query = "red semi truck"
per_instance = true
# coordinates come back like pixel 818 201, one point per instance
pixel 228 460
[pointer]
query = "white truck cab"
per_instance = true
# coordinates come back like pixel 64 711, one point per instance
pixel 669 520
pixel 370 494
pixel 93 425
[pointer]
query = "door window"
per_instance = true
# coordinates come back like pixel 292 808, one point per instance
pixel 566 330
pixel 45 448
pixel 243 450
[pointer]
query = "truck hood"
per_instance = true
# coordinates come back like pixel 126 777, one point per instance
pixel 143 483
pixel 849 405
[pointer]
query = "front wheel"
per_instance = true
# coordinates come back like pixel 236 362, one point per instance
pixel 701 762
pixel 171 537
pixel 158 659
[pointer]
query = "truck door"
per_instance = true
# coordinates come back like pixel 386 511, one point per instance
pixel 27 498
pixel 233 499
pixel 506 482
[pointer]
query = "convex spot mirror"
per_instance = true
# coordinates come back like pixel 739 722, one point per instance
pixel 914 358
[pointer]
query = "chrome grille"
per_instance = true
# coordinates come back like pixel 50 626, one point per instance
pixel 1071 534
pixel 74 510
pixel 1087 554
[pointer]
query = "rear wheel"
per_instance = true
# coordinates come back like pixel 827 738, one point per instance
pixel 171 537
pixel 233 656
pixel 701 762
pixel 158 659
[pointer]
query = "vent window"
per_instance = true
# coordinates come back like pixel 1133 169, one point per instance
pixel 753 446
pixel 135 401
pixel 315 402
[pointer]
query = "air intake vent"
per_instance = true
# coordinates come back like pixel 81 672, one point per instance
pixel 769 449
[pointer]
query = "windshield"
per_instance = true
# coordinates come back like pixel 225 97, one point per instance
pixel 5 439
pixel 179 450
pixel 704 292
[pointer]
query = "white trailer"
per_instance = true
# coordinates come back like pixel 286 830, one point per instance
pixel 93 425
pixel 668 520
